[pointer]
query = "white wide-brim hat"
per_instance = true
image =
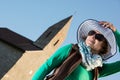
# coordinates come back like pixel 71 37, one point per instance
pixel 92 24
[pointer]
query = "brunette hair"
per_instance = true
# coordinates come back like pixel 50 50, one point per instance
pixel 104 47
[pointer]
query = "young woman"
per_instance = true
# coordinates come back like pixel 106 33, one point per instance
pixel 80 73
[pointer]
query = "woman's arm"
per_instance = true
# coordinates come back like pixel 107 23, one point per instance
pixel 109 68
pixel 117 36
pixel 113 28
pixel 54 61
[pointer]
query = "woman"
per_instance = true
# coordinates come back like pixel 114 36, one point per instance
pixel 80 73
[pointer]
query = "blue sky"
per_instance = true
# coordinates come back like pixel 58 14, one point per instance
pixel 31 18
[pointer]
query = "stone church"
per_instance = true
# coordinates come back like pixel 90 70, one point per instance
pixel 20 57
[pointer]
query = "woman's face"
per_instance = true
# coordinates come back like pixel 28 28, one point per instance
pixel 93 42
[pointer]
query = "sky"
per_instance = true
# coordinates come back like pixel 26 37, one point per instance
pixel 30 18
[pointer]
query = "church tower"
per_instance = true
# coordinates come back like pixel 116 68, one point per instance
pixel 54 36
pixel 33 53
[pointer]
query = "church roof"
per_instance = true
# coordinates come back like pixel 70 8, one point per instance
pixel 23 43
pixel 16 40
pixel 51 32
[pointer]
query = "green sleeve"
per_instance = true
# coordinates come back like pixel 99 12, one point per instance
pixel 55 60
pixel 117 36
pixel 109 68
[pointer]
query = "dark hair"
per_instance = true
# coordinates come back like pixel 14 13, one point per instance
pixel 104 47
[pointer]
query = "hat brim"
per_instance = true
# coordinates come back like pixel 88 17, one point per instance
pixel 92 24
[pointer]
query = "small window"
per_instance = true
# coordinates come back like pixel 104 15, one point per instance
pixel 56 42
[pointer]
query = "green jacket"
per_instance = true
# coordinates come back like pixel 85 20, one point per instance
pixel 80 73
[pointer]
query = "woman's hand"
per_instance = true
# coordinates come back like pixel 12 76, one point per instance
pixel 108 25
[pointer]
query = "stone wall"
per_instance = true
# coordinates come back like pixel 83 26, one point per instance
pixel 8 57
